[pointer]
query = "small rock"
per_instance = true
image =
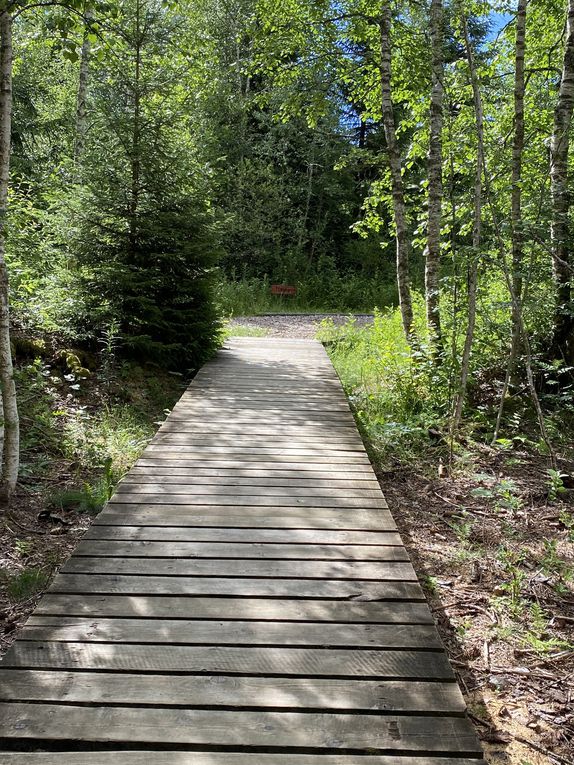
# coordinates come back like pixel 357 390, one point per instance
pixel 497 682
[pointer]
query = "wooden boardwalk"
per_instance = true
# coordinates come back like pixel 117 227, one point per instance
pixel 244 598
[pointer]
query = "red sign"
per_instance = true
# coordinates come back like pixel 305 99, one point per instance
pixel 283 289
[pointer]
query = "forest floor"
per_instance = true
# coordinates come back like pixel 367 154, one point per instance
pixel 80 434
pixel 493 543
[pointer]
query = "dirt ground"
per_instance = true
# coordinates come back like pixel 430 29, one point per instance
pixel 506 618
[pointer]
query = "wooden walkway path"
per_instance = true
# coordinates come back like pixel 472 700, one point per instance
pixel 244 599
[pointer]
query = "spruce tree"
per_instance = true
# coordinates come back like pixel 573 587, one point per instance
pixel 144 236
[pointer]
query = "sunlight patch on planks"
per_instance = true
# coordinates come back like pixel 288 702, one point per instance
pixel 245 595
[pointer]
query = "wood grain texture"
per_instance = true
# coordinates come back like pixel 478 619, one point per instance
pixel 173 549
pixel 245 594
pixel 229 728
pixel 263 511
pixel 230 691
pixel 262 569
pixel 252 536
pixel 339 492
pixel 330 589
pixel 395 611
pixel 248 466
pixel 187 632
pixel 187 475
pixel 336 520
pixel 246 501
pixel 293 662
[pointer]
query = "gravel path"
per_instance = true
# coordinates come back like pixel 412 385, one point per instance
pixel 293 325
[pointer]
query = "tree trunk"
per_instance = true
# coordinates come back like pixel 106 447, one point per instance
pixel 432 265
pixel 517 152
pixel 136 130
pixel 10 447
pixel 476 232
pixel 516 208
pixel 399 206
pixel 562 341
pixel 82 96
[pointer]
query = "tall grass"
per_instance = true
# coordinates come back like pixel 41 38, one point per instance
pixel 331 293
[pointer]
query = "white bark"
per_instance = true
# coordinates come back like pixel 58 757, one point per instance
pixel 476 232
pixel 11 428
pixel 516 205
pixel 435 192
pixel 563 343
pixel 395 164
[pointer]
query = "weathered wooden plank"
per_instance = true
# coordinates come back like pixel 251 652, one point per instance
pixel 280 458
pixel 104 584
pixel 128 515
pixel 246 501
pixel 242 477
pixel 270 406
pixel 249 536
pixel 227 373
pixel 261 692
pixel 241 609
pixel 304 392
pixel 281 424
pixel 308 513
pixel 250 633
pixel 297 662
pixel 312 450
pixel 124 757
pixel 338 520
pixel 260 437
pixel 228 728
pixel 273 569
pixel 119 549
pixel 262 413
pixel 215 489
pixel 153 458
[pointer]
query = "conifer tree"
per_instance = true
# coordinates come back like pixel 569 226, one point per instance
pixel 145 236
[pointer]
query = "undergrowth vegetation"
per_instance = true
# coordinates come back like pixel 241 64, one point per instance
pixel 84 425
pixel 324 292
pixel 489 522
pixel 403 398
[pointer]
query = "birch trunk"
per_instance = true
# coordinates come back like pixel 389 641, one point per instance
pixel 516 207
pixel 517 152
pixel 136 130
pixel 476 232
pixel 563 342
pixel 10 448
pixel 82 96
pixel 397 187
pixel 432 264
